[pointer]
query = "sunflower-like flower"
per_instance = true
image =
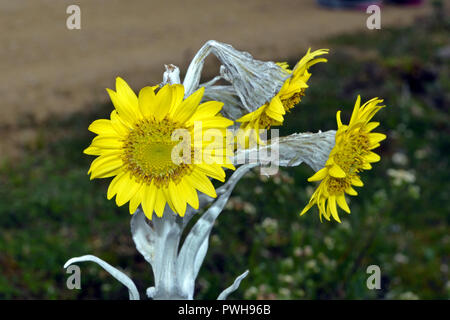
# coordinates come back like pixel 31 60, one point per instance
pixel 351 155
pixel 135 146
pixel 293 89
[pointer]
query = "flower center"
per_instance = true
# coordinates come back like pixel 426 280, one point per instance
pixel 148 152
pixel 265 122
pixel 291 102
pixel 353 148
pixel 337 185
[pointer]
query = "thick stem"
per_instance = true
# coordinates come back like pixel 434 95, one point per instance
pixel 169 230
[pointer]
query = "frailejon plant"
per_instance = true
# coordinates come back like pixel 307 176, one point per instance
pixel 162 147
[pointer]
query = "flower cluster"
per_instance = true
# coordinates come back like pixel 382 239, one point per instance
pixel 136 145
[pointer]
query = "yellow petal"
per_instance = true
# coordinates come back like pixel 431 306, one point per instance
pixel 253 115
pixel 177 98
pixel 366 166
pixel 342 203
pixel 121 127
pixel 106 172
pixel 189 106
pixel 351 191
pixel 163 102
pixel 177 199
pixel 327 212
pixel 214 171
pixel 121 108
pixel 93 151
pixel 228 164
pixel 106 143
pixel 336 172
pixel 126 190
pixel 372 157
pixel 319 175
pixel 355 112
pixel 168 198
pixel 102 126
pixel 201 183
pixel 134 202
pixel 147 101
pixel 204 111
pixel 274 115
pixel 371 125
pixel 148 200
pixel 112 189
pixel 294 85
pixel 308 206
pixel 190 193
pixel 356 181
pixel 333 209
pixel 216 122
pixel 276 105
pixel 210 108
pixel 127 97
pixel 376 137
pixel 160 202
pixel 323 211
pixel 338 119
pixel 103 164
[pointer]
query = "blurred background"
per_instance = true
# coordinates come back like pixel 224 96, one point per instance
pixel 53 86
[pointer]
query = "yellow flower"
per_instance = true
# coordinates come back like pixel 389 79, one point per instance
pixel 135 146
pixel 272 113
pixel 351 154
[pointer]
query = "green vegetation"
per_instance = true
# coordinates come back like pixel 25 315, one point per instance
pixel 50 211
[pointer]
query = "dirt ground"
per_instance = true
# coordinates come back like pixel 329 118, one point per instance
pixel 48 70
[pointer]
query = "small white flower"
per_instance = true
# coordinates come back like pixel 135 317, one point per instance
pixel 409 295
pixel 401 258
pixel 329 242
pixel 308 251
pixel 400 176
pixel 400 159
pixel 270 225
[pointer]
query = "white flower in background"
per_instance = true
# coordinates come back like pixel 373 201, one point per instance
pixel 400 176
pixel 400 159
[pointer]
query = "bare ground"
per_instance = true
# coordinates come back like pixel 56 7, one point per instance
pixel 48 71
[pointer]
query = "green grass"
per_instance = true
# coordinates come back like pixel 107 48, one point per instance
pixel 50 211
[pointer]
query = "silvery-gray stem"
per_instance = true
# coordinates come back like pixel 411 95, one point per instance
pixel 171 75
pixel 158 241
pixel 255 82
pixel 119 275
